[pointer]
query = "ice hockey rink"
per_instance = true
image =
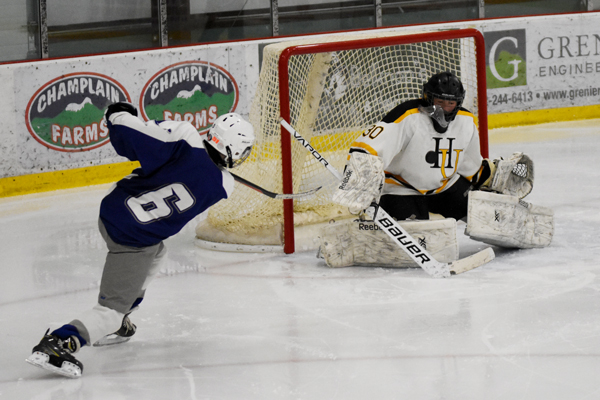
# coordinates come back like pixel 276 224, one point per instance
pixel 273 326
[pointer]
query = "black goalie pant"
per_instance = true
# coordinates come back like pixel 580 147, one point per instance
pixel 451 203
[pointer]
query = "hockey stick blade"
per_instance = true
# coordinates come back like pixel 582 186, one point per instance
pixel 399 235
pixel 419 255
pixel 279 196
pixel 471 262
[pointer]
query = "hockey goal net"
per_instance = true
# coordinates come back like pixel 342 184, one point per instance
pixel 330 89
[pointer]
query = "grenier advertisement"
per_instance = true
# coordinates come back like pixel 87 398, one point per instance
pixel 52 110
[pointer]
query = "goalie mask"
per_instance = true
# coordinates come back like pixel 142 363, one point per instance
pixel 229 141
pixel 444 86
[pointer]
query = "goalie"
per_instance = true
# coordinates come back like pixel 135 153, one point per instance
pixel 424 157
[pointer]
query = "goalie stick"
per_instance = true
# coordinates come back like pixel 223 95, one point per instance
pixel 395 231
pixel 279 196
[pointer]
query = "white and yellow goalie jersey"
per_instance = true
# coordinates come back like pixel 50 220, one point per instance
pixel 416 158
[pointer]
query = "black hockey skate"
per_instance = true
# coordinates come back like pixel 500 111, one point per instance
pixel 55 355
pixel 123 335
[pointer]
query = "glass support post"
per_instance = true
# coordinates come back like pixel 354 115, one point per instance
pixel 274 17
pixel 163 30
pixel 43 28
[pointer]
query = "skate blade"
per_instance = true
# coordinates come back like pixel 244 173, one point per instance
pixel 111 339
pixel 67 369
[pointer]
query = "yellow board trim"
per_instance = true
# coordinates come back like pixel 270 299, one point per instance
pixel 534 117
pixel 96 175
pixel 66 179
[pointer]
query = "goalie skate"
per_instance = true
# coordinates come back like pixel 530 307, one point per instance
pixel 53 354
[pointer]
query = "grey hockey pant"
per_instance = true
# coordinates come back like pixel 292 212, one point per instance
pixel 126 275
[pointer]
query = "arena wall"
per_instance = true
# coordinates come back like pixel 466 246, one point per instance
pixel 539 69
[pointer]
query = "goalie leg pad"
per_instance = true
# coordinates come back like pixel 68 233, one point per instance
pixel 363 243
pixel 506 221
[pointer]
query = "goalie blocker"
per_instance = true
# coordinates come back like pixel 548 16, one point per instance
pixel 362 182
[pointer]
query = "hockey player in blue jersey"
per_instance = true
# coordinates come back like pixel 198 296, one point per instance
pixel 181 175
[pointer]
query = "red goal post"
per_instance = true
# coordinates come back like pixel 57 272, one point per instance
pixel 284 97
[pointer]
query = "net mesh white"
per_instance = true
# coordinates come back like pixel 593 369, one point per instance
pixel 334 97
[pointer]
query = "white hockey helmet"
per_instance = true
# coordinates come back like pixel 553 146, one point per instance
pixel 229 141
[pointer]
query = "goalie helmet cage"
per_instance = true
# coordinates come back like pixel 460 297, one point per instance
pixel 331 88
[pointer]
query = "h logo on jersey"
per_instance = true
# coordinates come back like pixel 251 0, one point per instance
pixel 444 159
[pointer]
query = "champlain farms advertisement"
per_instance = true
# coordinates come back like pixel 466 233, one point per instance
pixel 53 110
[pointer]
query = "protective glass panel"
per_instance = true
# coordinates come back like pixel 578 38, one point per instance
pixel 505 8
pixel 311 16
pixel 18 30
pixel 211 21
pixel 421 12
pixel 79 27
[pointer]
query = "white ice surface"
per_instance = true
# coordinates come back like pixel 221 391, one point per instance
pixel 266 326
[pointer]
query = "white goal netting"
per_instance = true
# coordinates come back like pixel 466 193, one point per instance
pixel 333 97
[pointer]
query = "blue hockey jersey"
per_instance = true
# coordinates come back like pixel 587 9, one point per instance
pixel 176 181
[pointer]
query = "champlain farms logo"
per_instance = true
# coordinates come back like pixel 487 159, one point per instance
pixel 194 91
pixel 67 113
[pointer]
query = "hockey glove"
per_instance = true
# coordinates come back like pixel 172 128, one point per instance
pixel 513 176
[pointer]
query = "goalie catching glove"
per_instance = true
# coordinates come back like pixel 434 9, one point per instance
pixel 362 182
pixel 513 177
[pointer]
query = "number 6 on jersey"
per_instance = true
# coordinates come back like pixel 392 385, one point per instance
pixel 158 204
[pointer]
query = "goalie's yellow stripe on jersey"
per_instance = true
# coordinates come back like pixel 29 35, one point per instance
pixel 363 146
pixel 406 114
pixel 416 111
pixel 399 181
pixel 468 114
